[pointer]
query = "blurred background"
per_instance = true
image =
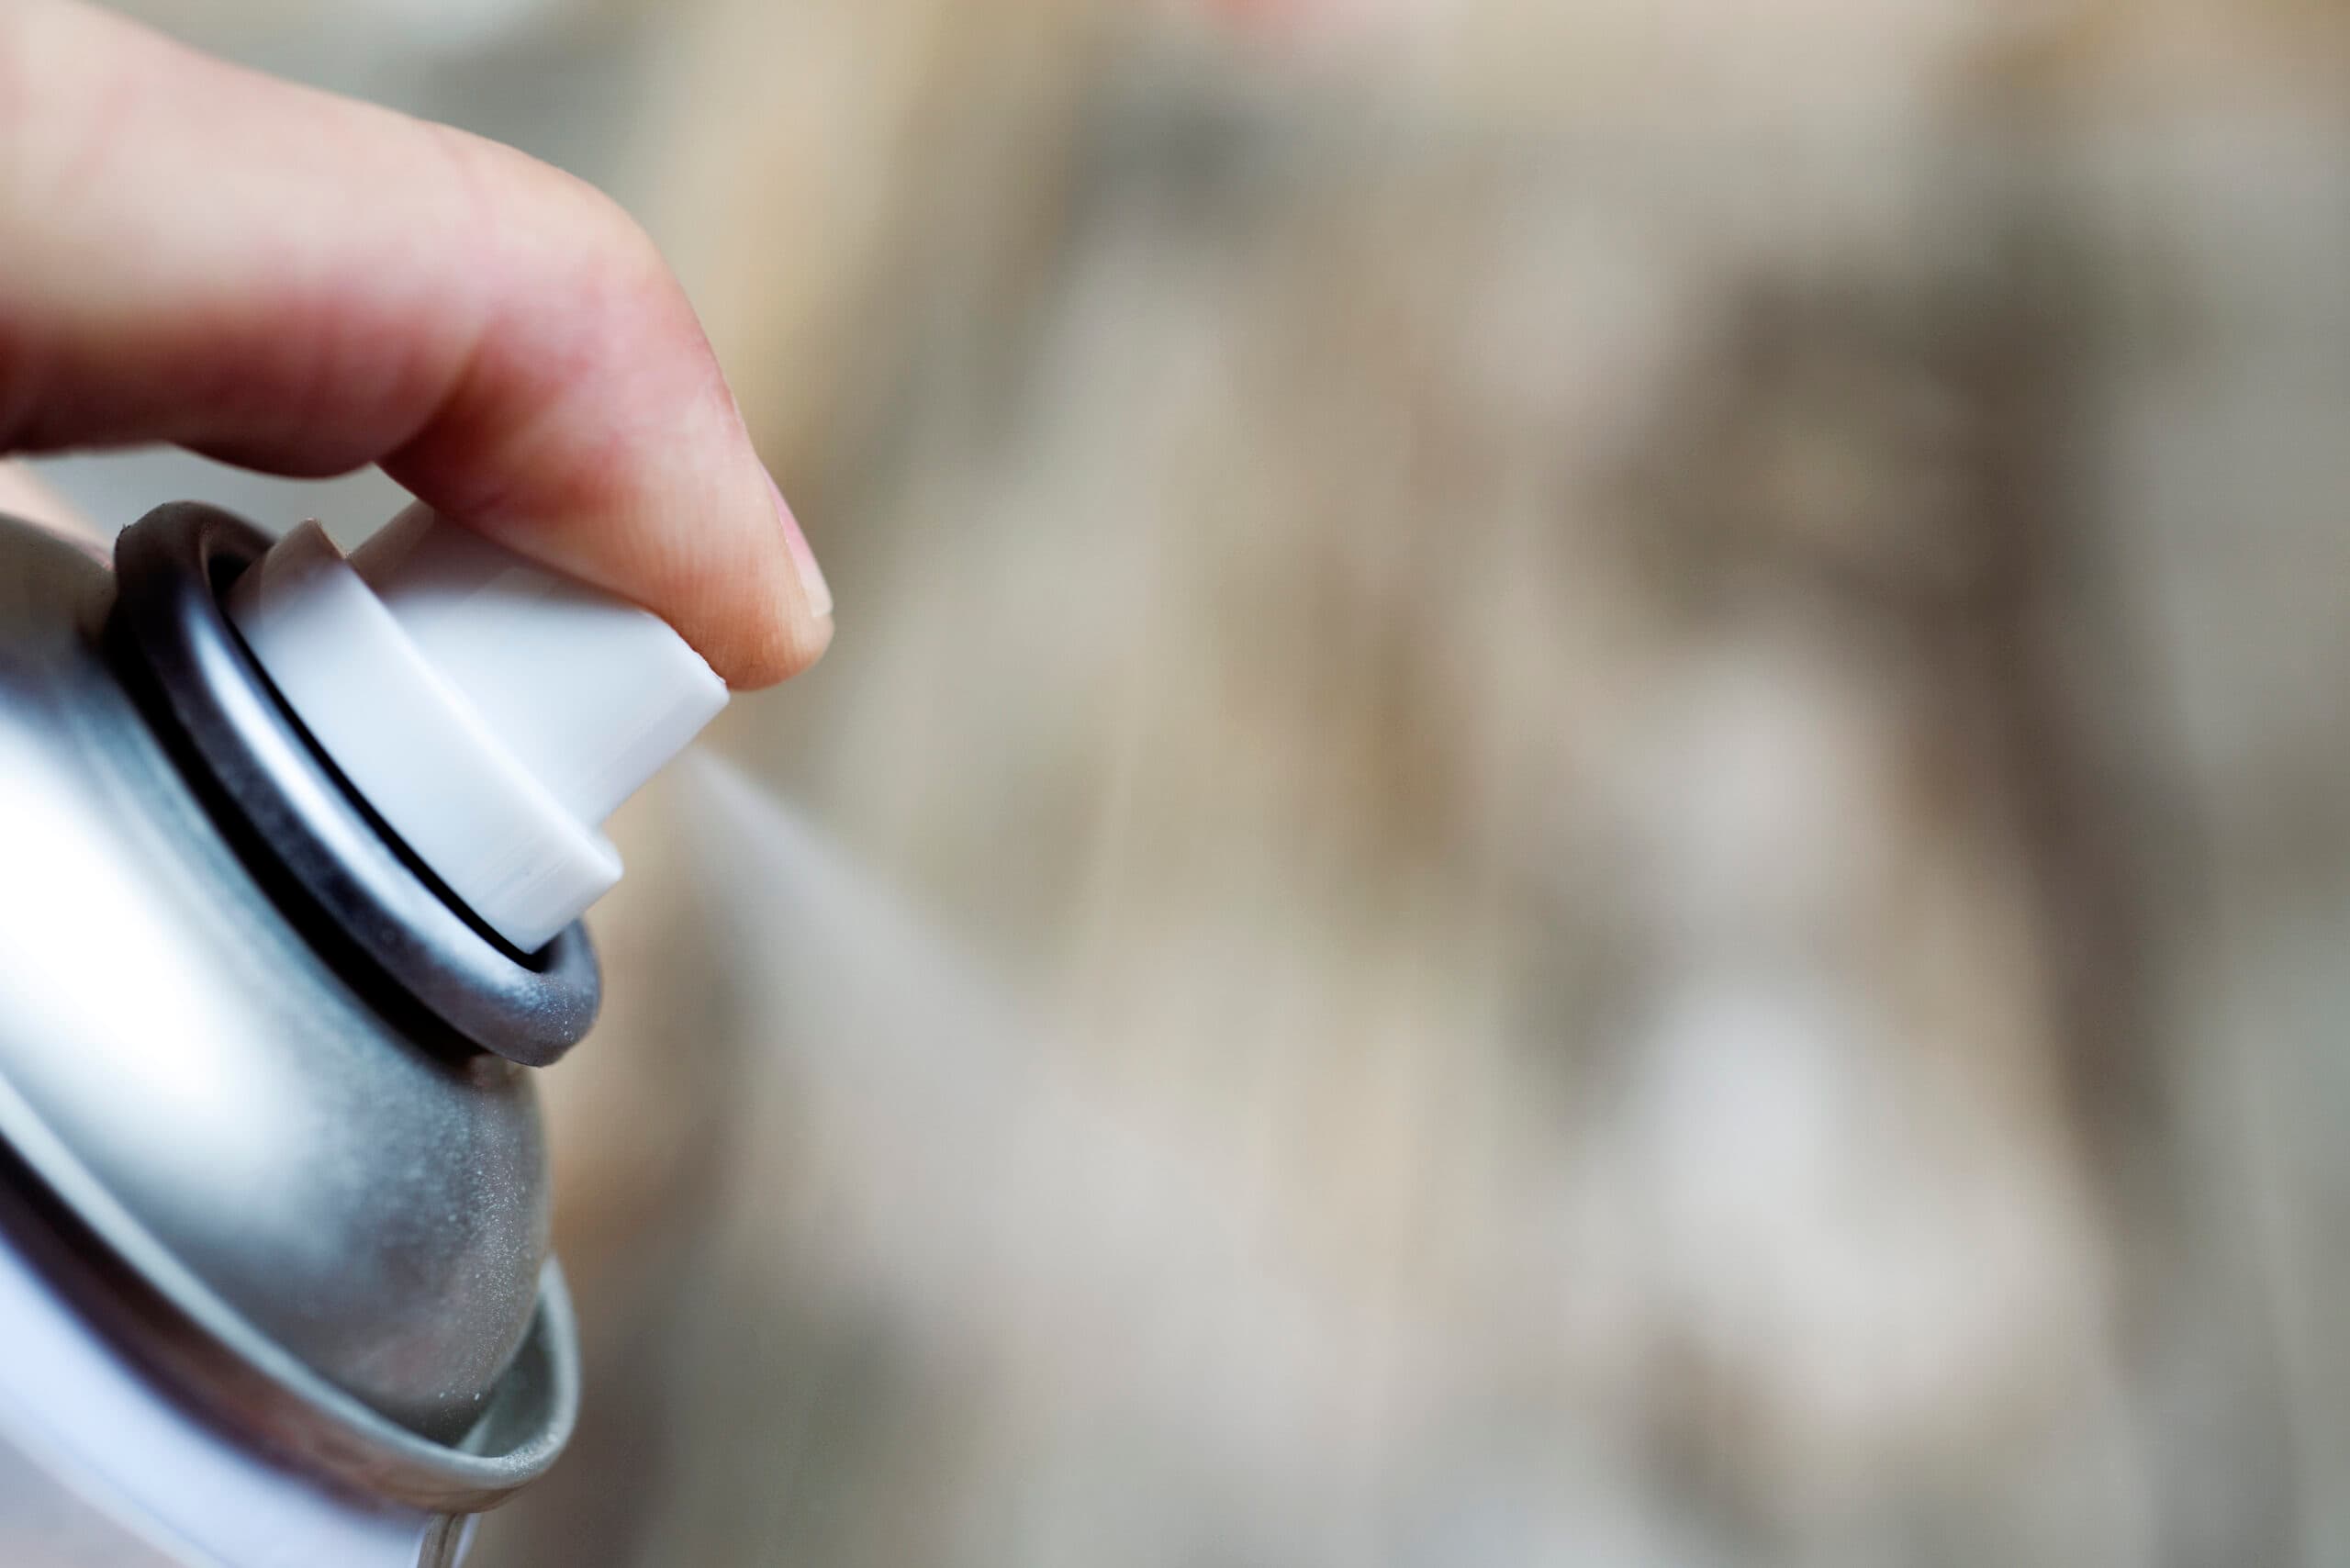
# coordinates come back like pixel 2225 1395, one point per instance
pixel 1581 799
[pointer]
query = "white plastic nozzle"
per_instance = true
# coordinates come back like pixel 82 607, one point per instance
pixel 491 711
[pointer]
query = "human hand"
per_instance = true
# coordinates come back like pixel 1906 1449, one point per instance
pixel 195 253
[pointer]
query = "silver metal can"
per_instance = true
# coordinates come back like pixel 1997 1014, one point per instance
pixel 276 1288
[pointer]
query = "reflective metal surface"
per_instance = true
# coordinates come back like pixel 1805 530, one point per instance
pixel 374 909
pixel 100 1469
pixel 375 1210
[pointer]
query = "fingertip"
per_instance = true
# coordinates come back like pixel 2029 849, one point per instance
pixel 803 557
pixel 793 638
pixel 756 606
pixel 814 635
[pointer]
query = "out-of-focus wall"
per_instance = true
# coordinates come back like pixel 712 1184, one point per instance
pixel 1579 800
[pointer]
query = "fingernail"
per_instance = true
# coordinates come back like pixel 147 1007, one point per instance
pixel 803 559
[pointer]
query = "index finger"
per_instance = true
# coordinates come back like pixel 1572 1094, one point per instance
pixel 304 283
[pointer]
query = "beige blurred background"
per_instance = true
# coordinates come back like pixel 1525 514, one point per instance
pixel 1582 800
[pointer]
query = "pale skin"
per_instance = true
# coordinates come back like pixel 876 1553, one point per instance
pixel 195 253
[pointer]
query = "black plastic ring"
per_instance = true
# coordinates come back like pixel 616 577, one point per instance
pixel 339 872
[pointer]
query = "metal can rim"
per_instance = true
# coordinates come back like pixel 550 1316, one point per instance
pixel 167 1320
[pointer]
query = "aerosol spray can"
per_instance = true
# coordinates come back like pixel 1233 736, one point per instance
pixel 292 852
